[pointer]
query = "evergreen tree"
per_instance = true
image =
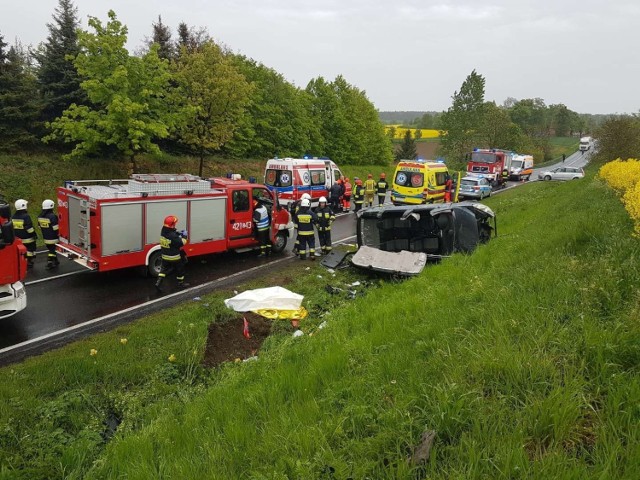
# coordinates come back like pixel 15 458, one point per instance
pixel 128 110
pixel 162 36
pixel 407 150
pixel 19 108
pixel 57 76
pixel 460 124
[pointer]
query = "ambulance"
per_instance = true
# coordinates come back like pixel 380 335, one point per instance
pixel 417 182
pixel 291 177
pixel 111 224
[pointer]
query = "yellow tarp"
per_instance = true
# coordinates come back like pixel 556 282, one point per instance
pixel 275 314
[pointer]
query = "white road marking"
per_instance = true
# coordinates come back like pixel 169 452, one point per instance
pixel 56 277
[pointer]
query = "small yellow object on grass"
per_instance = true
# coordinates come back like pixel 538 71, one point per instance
pixel 172 358
pixel 275 314
pixel 93 352
pixel 123 341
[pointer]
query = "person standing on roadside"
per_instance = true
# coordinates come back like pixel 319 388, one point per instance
pixel 23 226
pixel 346 198
pixel 358 195
pixel 294 212
pixel 173 257
pixel 325 218
pixel 262 224
pixel 335 192
pixel 369 190
pixel 48 222
pixel 305 222
pixel 382 188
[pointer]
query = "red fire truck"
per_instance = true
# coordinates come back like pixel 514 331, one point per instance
pixel 106 225
pixel 490 163
pixel 13 267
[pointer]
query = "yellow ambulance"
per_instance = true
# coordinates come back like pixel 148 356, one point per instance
pixel 417 181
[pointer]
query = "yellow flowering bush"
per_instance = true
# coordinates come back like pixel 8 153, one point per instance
pixel 624 177
pixel 399 132
pixel 621 175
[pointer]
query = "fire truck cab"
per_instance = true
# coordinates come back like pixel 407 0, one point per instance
pixel 291 177
pixel 490 163
pixel 13 267
pixel 112 224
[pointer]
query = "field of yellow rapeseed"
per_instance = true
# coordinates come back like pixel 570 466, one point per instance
pixel 624 177
pixel 400 131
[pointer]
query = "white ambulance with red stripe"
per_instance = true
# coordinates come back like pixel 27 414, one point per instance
pixel 291 177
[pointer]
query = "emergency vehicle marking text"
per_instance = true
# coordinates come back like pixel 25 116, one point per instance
pixel 242 225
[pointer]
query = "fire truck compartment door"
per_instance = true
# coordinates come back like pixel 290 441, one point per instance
pixel 121 228
pixel 157 211
pixel 207 221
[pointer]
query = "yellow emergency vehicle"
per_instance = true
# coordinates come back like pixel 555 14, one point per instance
pixel 417 181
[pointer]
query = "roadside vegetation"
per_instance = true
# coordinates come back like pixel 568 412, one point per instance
pixel 522 357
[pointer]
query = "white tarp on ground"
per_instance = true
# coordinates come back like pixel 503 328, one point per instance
pixel 265 298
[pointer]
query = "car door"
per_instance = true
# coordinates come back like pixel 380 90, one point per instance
pixel 240 213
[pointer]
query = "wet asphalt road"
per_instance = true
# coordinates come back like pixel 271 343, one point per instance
pixel 71 295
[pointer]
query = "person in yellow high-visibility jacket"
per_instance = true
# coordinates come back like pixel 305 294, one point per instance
pixel 369 190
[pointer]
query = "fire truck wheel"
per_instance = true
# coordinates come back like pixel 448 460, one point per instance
pixel 280 243
pixel 155 262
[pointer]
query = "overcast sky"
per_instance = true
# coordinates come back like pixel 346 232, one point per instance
pixel 406 54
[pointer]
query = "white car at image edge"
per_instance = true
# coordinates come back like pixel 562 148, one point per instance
pixel 562 173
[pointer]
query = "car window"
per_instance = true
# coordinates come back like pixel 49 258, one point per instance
pixel 468 181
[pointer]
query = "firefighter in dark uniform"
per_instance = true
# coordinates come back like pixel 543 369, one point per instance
pixel 325 218
pixel 358 195
pixel 173 257
pixel 335 192
pixel 305 221
pixel 505 177
pixel 48 222
pixel 382 188
pixel 295 208
pixel 262 224
pixel 23 227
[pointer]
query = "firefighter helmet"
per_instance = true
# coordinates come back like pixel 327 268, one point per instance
pixel 47 204
pixel 383 175
pixel 305 202
pixel 322 200
pixel 21 204
pixel 358 182
pixel 170 221
pixel 305 196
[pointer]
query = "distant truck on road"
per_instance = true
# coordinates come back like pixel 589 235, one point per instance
pixel 585 143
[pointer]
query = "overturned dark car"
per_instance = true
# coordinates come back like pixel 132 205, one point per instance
pixel 400 239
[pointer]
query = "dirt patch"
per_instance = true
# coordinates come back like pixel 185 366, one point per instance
pixel 226 341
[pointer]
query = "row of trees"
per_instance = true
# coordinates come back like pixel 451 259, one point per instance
pixel 521 125
pixel 189 95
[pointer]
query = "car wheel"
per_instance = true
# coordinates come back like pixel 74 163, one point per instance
pixel 575 178
pixel 547 177
pixel 155 263
pixel 481 195
pixel 280 242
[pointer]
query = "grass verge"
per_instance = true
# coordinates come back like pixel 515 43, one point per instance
pixel 522 357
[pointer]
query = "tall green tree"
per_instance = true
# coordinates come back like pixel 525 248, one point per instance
pixel 461 123
pixel 561 119
pixel 407 150
pixel 215 95
pixel 350 125
pixel 277 121
pixel 58 78
pixel 498 131
pixel 128 108
pixel 618 137
pixel 19 107
pixel 162 37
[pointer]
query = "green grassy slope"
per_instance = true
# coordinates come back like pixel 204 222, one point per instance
pixel 523 357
